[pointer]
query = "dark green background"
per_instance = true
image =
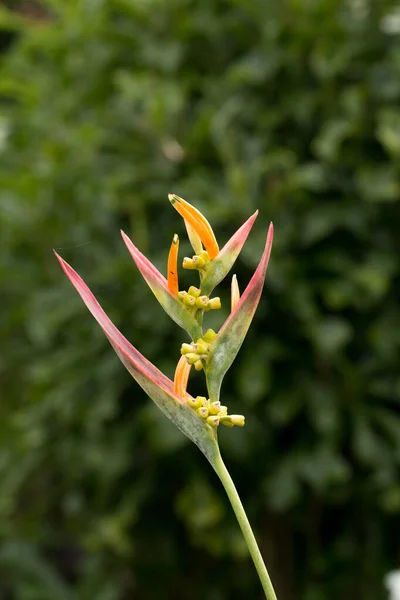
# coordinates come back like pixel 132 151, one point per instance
pixel 291 107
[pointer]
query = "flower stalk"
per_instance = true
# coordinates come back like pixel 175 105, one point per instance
pixel 245 526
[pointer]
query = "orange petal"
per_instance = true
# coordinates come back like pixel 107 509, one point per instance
pixel 235 293
pixel 173 266
pixel 198 222
pixel 181 377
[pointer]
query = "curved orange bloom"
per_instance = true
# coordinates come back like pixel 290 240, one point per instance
pixel 199 223
pixel 173 266
pixel 181 377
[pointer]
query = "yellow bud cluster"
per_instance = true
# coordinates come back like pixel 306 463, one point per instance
pixel 214 413
pixel 197 351
pixel 192 299
pixel 198 261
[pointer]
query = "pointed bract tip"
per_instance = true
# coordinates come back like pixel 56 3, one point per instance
pixel 175 239
pixel 270 237
pixel 65 266
pixel 123 235
pixel 172 198
pixel 252 218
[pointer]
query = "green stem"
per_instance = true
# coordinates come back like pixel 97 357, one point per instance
pixel 248 534
pixel 199 317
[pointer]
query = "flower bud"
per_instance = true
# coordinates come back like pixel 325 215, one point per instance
pixel 186 348
pixel 215 407
pixel 209 336
pixel 189 301
pixel 223 411
pixel 192 358
pixel 181 295
pixel 226 422
pixel 213 421
pixel 198 365
pixel 194 402
pixel 237 420
pixel 202 302
pixel 198 262
pixel 204 255
pixel 204 401
pixel 214 304
pixel 203 412
pixel 188 263
pixel 200 347
pixel 194 291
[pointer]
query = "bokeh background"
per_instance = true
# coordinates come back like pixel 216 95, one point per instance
pixel 291 107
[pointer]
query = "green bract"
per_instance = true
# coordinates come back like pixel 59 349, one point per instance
pixel 156 385
pixel 158 285
pixel 224 348
pixel 220 266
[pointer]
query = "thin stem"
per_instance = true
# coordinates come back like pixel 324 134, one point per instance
pixel 248 534
pixel 199 317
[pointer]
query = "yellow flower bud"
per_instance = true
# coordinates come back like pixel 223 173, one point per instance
pixel 181 295
pixel 226 422
pixel 237 420
pixel 209 336
pixel 204 401
pixel 215 407
pixel 194 402
pixel 213 421
pixel 214 304
pixel 192 358
pixel 223 411
pixel 200 347
pixel 189 301
pixel 202 302
pixel 194 291
pixel 186 348
pixel 198 262
pixel 204 255
pixel 188 263
pixel 203 412
pixel 198 365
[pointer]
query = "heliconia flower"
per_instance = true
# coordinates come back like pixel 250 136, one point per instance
pixel 198 222
pixel 159 286
pixel 198 418
pixel 156 385
pixel 226 345
pixel 235 294
pixel 172 269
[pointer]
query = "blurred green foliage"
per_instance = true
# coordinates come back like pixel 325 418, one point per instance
pixel 291 107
